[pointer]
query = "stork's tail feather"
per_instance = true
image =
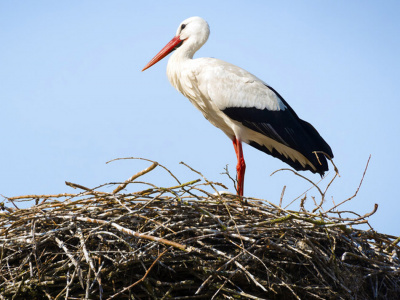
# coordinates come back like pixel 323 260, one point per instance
pixel 317 160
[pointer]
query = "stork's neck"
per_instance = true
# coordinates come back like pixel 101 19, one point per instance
pixel 180 55
pixel 178 67
pixel 179 64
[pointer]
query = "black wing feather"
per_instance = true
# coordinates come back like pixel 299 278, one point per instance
pixel 287 128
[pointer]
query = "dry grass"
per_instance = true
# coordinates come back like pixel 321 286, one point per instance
pixel 183 242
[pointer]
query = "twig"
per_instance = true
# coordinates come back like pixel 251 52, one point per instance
pixel 77 186
pixel 123 185
pixel 71 257
pixel 141 279
pixel 139 158
pixel 355 194
pixel 305 178
pixel 209 182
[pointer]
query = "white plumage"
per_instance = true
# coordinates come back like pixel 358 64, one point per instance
pixel 244 107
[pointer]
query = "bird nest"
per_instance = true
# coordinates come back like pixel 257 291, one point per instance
pixel 185 242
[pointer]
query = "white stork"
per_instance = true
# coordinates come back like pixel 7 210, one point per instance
pixel 244 107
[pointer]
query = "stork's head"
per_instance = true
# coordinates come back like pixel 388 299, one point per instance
pixel 191 34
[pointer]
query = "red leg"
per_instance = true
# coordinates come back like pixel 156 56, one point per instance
pixel 241 166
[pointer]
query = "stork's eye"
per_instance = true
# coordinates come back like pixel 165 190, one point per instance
pixel 183 26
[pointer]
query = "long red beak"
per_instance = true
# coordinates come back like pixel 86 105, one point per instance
pixel 164 52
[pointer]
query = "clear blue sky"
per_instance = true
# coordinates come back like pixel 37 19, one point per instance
pixel 73 97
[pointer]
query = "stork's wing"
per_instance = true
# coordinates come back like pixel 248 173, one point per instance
pixel 257 106
pixel 287 129
pixel 230 86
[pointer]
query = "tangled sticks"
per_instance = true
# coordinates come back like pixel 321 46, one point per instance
pixel 183 242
